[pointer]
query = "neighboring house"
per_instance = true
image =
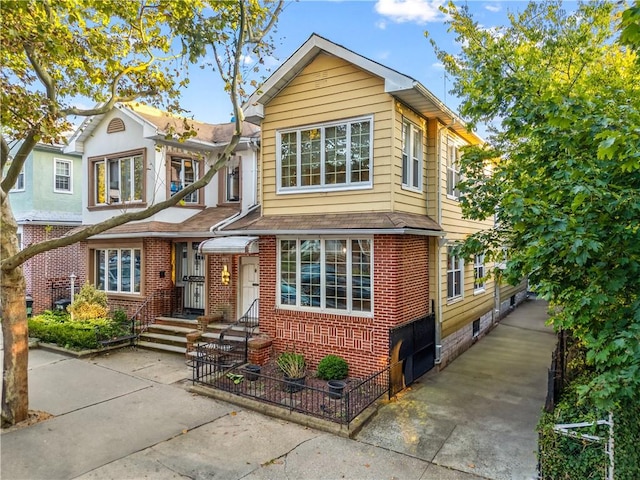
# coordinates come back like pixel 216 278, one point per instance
pixel 47 203
pixel 129 164
pixel 358 173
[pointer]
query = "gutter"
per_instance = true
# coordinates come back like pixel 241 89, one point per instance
pixel 342 231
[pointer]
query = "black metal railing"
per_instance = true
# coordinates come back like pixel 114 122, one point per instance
pixel 61 294
pixel 224 371
pixel 159 302
pixel 245 325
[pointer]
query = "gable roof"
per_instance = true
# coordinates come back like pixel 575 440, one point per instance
pixel 207 134
pixel 405 88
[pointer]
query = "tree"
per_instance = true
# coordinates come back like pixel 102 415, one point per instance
pixel 562 100
pixel 57 54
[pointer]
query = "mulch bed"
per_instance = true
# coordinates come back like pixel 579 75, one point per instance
pixel 312 399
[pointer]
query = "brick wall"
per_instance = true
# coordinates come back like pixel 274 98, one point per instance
pixel 222 298
pixel 52 268
pixel 401 294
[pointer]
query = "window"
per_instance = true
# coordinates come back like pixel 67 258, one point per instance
pixel 453 171
pixel 19 185
pixel 326 274
pixel 330 156
pixel 475 328
pixel 118 270
pixel 117 180
pixel 411 156
pixel 62 176
pixel 454 275
pixel 230 181
pixel 478 273
pixel 184 171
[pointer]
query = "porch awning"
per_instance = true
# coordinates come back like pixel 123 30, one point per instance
pixel 230 245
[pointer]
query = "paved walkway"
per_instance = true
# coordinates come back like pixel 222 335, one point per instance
pixel 129 414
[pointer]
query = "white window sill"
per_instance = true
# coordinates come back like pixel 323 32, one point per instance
pixel 451 301
pixel 409 188
pixel 480 291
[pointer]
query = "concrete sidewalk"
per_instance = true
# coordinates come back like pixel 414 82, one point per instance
pixel 478 415
pixel 128 414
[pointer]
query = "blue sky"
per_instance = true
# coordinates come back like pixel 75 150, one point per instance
pixel 390 32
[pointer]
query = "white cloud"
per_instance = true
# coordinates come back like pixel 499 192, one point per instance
pixel 247 60
pixel 384 55
pixel 438 65
pixel 381 25
pixel 418 11
pixel 493 8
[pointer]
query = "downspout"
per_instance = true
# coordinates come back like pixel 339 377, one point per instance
pixel 441 242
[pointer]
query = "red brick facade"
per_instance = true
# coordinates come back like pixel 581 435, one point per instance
pixel 51 270
pixel 401 294
pixel 222 298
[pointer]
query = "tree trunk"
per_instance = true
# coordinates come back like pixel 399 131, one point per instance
pixel 13 311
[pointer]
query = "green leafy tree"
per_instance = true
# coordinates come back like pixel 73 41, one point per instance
pixel 58 54
pixel 561 97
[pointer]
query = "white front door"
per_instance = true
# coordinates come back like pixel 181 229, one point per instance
pixel 250 281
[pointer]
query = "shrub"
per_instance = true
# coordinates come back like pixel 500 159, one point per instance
pixel 89 303
pixel 60 329
pixel 333 367
pixel 293 365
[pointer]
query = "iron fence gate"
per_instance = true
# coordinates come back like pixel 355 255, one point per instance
pixel 412 348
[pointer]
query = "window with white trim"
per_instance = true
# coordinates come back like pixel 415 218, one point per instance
pixel 118 180
pixel 117 270
pixel 411 156
pixel 478 273
pixel 335 155
pixel 453 170
pixel 231 180
pixel 326 273
pixel 455 269
pixel 63 181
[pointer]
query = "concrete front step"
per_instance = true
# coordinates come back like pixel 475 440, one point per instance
pixel 164 338
pixel 177 322
pixel 228 337
pixel 170 329
pixel 162 347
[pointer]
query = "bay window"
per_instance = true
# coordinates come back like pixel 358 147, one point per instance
pixel 117 179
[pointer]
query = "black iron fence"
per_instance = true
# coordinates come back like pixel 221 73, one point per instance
pixel 224 369
pixel 61 294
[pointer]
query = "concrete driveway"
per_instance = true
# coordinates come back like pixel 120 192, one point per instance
pixel 478 415
pixel 129 414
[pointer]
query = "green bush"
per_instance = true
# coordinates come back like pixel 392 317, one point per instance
pixel 293 365
pixel 333 367
pixel 58 328
pixel 562 457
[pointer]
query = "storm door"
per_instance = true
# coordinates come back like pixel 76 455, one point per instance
pixel 190 275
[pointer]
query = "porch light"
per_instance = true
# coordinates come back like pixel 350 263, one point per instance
pixel 225 275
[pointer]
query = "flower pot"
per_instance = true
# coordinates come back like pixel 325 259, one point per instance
pixel 335 388
pixel 252 372
pixel 293 385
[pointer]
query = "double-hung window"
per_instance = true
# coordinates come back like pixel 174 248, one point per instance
pixel 411 156
pixel 184 171
pixel 326 273
pixel 330 156
pixel 230 181
pixel 453 170
pixel 19 185
pixel 118 270
pixel 455 278
pixel 478 273
pixel 63 181
pixel 118 180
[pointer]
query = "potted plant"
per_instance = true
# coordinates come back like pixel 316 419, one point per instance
pixel 294 368
pixel 334 369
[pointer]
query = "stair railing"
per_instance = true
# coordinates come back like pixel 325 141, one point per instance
pixel 157 303
pixel 249 320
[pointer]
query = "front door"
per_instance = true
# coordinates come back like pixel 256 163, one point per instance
pixel 250 281
pixel 190 275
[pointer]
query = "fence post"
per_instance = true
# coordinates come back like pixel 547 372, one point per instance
pixel 72 277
